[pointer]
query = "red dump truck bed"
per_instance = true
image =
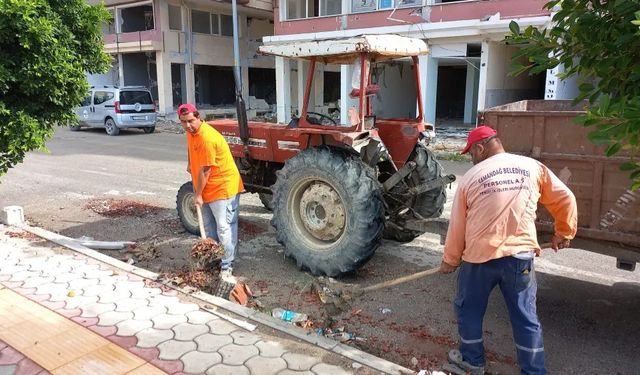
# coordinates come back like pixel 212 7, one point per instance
pixel 545 130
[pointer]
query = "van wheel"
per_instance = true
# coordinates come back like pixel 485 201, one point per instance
pixel 111 127
pixel 149 130
pixel 74 127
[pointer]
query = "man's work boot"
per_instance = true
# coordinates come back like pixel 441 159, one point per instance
pixel 455 358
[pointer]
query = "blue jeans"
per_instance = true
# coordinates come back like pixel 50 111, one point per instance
pixel 220 220
pixel 517 281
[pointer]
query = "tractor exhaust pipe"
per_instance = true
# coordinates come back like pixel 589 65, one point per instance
pixel 241 109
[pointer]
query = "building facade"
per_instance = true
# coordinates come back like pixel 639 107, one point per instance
pixel 183 51
pixel 466 71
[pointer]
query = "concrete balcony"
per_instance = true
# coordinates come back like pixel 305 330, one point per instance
pixel 137 41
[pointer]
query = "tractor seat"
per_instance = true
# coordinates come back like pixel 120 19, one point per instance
pixel 369 90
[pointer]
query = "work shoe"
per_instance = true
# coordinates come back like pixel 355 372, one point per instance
pixel 226 273
pixel 455 357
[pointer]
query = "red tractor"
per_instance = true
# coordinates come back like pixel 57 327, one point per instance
pixel 336 189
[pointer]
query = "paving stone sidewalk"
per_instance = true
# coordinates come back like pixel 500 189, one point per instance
pixel 154 322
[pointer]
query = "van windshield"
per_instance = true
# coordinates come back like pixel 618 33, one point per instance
pixel 133 97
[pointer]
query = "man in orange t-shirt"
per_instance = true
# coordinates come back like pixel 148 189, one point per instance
pixel 492 238
pixel 216 182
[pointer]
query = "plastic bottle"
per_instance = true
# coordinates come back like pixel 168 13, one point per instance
pixel 288 315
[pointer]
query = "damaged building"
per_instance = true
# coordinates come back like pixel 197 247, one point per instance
pixel 466 71
pixel 183 52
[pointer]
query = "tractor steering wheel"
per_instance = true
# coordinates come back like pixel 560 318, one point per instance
pixel 322 119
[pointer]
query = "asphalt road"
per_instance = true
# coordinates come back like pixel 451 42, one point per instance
pixel 590 311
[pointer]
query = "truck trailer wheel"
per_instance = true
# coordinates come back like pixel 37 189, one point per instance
pixel 187 208
pixel 327 211
pixel 429 204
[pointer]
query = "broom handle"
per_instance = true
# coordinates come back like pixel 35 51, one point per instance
pixel 200 223
pixel 415 276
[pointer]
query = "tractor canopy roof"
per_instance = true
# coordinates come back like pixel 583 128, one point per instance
pixel 347 50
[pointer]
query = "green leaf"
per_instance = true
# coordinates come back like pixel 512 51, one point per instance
pixel 514 27
pixel 613 149
pixel 629 166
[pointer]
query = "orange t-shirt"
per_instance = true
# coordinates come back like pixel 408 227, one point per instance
pixel 209 148
pixel 494 209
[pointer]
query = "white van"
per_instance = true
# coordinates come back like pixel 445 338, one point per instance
pixel 115 108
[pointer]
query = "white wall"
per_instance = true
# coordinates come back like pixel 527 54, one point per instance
pixel 501 88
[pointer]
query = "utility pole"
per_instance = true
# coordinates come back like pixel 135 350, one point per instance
pixel 241 111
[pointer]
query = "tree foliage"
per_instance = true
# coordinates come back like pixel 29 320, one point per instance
pixel 46 49
pixel 597 41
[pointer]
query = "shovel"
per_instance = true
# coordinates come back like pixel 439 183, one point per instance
pixel 342 296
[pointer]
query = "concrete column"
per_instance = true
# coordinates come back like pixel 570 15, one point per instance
pixel 191 83
pixel 283 90
pixel 556 89
pixel 429 85
pixel 471 93
pixel 303 66
pixel 163 70
pixel 120 71
pixel 484 70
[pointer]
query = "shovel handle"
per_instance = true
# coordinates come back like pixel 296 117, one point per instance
pixel 400 280
pixel 201 223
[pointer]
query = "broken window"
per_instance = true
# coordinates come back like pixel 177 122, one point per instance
pixel 215 85
pixel 262 84
pixel 200 22
pixel 136 18
pixel 175 18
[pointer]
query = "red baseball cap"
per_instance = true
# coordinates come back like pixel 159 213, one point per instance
pixel 186 108
pixel 478 134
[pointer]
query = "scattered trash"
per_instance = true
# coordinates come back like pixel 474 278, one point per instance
pixel 356 365
pixel 355 312
pixel 131 261
pixel 414 361
pixel 338 334
pixel 102 245
pixel 71 293
pixel 288 315
pixel 385 310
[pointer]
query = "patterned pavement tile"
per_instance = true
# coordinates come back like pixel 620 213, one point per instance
pixel 173 349
pixel 266 366
pixel 325 369
pixel 181 308
pixel 211 343
pixel 166 321
pixel 95 309
pixel 235 355
pixel 130 327
pixel 151 337
pixel 111 318
pixel 200 317
pixel 130 304
pixel 188 332
pixel 300 362
pixel 148 312
pixel 244 338
pixel 197 362
pixel 220 327
pixel 222 369
pixel 270 349
pixel 79 302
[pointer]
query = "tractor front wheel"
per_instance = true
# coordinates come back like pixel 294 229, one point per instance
pixel 185 202
pixel 328 211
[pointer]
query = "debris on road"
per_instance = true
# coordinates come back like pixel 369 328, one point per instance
pixel 206 254
pixel 23 235
pixel 102 245
pixel 121 207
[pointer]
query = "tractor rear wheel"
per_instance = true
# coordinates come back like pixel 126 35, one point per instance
pixel 187 208
pixel 429 204
pixel 328 211
pixel 266 198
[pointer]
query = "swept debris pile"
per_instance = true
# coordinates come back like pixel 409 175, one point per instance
pixel 206 254
pixel 23 235
pixel 120 208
